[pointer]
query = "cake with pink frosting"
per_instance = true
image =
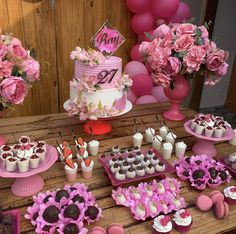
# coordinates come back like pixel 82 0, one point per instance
pixel 99 89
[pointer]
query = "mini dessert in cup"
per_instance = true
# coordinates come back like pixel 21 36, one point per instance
pixel 34 161
pixel 137 139
pixel 87 168
pixel 171 137
pixel 41 144
pixel 11 164
pixel 200 128
pixel 24 140
pixel 149 133
pixel 167 150
pixel 93 147
pixel 23 164
pixel 157 141
pixel 233 140
pixel 4 156
pixel 41 153
pixel 209 130
pixel 230 195
pixel 71 172
pixel 5 148
pixel 180 148
pixel 163 131
pixel 218 132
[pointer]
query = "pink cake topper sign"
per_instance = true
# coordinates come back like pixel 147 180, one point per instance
pixel 107 39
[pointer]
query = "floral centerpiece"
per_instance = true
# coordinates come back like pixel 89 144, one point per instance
pixel 18 71
pixel 179 52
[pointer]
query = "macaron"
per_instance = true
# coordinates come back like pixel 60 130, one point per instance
pixel 115 229
pixel 97 230
pixel 216 196
pixel 221 210
pixel 204 203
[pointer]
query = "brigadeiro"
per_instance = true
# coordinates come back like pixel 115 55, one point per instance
pixel 51 213
pixel 72 211
pixel 78 198
pixel 60 194
pixel 92 213
pixel 198 174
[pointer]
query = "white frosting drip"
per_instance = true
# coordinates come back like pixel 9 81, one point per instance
pixel 158 227
pixel 182 221
pixel 228 193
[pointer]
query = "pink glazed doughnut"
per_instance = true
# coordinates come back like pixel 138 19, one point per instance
pixel 204 203
pixel 216 196
pixel 115 229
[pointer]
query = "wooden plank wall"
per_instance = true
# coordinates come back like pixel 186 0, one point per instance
pixel 54 28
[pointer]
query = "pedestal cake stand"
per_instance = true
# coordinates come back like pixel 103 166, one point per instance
pixel 30 182
pixel 205 145
pixel 101 125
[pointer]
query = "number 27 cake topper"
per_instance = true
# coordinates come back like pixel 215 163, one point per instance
pixel 107 39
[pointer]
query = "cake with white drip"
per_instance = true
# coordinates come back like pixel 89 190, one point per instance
pixel 98 89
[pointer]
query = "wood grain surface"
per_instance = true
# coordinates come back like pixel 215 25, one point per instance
pixel 47 126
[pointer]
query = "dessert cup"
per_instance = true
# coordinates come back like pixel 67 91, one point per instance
pixel 137 139
pixel 233 140
pixel 71 173
pixel 140 171
pixel 180 148
pixel 11 164
pixel 194 124
pixel 24 140
pixel 23 164
pixel 156 144
pixel 41 153
pixel 199 129
pixel 160 227
pixel 87 172
pixel 34 161
pixel 93 147
pixel 5 148
pixel 80 157
pixel 5 156
pixel 218 132
pixel 41 144
pixel 15 149
pixel 163 131
pixel 209 131
pixel 115 149
pixel 182 221
pixel 170 137
pixel 149 133
pixel 167 150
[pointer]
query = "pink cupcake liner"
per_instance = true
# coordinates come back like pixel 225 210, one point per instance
pixel 98 216
pixel 82 229
pixel 121 197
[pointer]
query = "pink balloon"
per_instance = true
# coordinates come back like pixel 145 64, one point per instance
pixel 134 68
pixel 134 53
pixel 131 96
pixel 138 6
pixel 142 22
pixel 142 84
pixel 159 94
pixel 164 8
pixel 183 13
pixel 142 37
pixel 146 99
pixel 160 21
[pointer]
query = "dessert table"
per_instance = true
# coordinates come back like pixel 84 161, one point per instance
pixel 46 127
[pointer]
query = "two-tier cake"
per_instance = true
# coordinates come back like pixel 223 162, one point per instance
pixel 99 89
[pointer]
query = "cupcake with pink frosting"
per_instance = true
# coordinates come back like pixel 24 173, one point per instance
pixel 162 224
pixel 182 220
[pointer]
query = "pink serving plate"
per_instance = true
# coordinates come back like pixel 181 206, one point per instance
pixel 30 182
pixel 16 219
pixel 228 167
pixel 104 161
pixel 205 145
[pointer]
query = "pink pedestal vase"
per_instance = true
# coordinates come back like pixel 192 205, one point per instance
pixel 176 96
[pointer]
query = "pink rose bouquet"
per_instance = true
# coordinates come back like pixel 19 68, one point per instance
pixel 183 49
pixel 18 70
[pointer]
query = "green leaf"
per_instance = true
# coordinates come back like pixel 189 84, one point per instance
pixel 15 71
pixel 200 41
pixel 180 54
pixel 33 53
pixel 96 86
pixel 198 32
pixel 149 36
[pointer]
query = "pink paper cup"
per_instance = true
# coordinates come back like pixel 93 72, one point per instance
pixel 71 174
pixel 87 172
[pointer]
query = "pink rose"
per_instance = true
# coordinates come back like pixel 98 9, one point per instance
pixel 5 69
pixel 161 79
pixel 223 69
pixel 173 66
pixel 194 58
pixel 205 34
pixel 144 47
pixel 16 42
pixel 162 31
pixel 215 60
pixel 31 67
pixel 186 29
pixel 3 50
pixel 13 89
pixel 20 51
pixel 183 43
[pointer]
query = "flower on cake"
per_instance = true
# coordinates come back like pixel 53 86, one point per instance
pixel 183 49
pixel 18 70
pixel 124 83
pixel 89 57
pixel 88 83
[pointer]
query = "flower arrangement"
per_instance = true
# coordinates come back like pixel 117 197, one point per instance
pixel 89 57
pixel 183 49
pixel 18 71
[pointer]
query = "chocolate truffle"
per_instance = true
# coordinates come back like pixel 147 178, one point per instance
pixel 198 174
pixel 72 211
pixel 223 175
pixel 188 160
pixel 71 228
pixel 60 194
pixel 92 212
pixel 46 228
pixel 139 153
pixel 185 173
pixel 46 199
pixel 198 162
pixel 78 198
pixel 51 213
pixel 213 172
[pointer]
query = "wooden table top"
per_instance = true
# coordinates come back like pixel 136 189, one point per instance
pixel 47 126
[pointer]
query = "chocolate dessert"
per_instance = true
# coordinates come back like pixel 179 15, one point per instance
pixel 92 212
pixel 185 173
pixel 71 228
pixel 46 199
pixel 78 198
pixel 51 213
pixel 139 153
pixel 72 211
pixel 213 172
pixel 223 175
pixel 60 194
pixel 198 174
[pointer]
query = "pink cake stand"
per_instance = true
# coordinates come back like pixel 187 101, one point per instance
pixel 30 182
pixel 205 145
